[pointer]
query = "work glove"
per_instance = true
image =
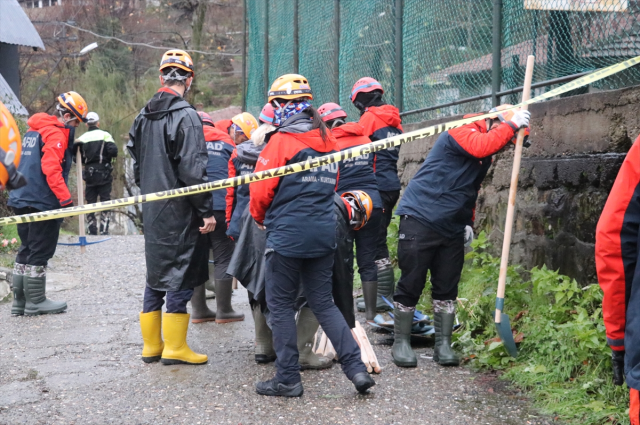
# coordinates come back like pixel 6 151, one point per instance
pixel 468 235
pixel 521 119
pixel 617 359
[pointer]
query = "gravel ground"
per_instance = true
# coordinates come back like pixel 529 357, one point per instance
pixel 84 367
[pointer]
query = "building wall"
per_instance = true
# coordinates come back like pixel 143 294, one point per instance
pixel 10 66
pixel 579 144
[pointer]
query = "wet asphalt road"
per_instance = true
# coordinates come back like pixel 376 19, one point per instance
pixel 84 367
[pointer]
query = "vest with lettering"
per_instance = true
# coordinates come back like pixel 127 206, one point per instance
pixel 219 148
pixel 37 193
pixel 297 208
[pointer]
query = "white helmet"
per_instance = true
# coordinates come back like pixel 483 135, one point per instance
pixel 92 118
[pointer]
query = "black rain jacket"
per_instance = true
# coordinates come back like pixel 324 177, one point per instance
pixel 167 144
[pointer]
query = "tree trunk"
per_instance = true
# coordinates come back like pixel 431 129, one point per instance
pixel 197 27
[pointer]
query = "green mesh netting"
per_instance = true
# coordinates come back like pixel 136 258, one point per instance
pixel 280 38
pixel 256 24
pixel 318 57
pixel 447 47
pixel 367 41
pixel 438 37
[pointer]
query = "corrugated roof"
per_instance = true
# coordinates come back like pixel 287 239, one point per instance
pixel 15 26
pixel 10 100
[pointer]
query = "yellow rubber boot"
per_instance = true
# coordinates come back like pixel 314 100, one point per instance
pixel 176 350
pixel 150 325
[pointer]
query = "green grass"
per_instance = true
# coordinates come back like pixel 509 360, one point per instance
pixel 563 363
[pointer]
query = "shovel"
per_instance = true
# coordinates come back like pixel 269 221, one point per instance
pixel 503 325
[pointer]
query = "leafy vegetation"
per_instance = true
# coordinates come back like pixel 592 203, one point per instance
pixel 563 362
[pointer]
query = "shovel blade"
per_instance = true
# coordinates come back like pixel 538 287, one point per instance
pixel 504 331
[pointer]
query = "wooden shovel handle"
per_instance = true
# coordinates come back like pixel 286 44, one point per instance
pixel 508 225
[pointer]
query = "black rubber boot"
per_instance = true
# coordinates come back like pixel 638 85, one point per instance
pixel 363 381
pixel 17 285
pixel 401 351
pixel 386 286
pixel 200 312
pixel 274 388
pixel 443 354
pixel 35 282
pixel 264 338
pixel 307 327
pixel 225 312
pixel 370 292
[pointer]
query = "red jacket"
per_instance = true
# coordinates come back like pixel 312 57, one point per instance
pixel 56 141
pixel 380 122
pixel 223 125
pixel 297 209
pixel 617 249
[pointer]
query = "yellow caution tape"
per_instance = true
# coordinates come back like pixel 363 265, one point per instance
pixel 310 163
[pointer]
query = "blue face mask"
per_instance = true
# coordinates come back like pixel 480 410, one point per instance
pixel 286 111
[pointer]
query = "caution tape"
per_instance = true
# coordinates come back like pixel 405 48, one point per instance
pixel 310 163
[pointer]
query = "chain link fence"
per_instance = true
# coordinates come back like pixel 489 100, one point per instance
pixel 441 51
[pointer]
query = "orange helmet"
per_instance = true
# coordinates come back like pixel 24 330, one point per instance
pixel 290 86
pixel 74 103
pixel 246 122
pixel 176 59
pixel 361 203
pixel 9 142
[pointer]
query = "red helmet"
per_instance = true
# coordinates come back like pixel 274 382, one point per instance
pixel 206 118
pixel 331 111
pixel 267 115
pixel 365 85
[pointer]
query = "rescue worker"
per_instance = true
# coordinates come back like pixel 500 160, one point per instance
pixel 380 121
pixel 616 264
pixel 98 150
pixel 219 149
pixel 435 208
pixel 243 162
pixel 239 127
pixel 297 251
pixel 45 162
pixel 10 178
pixel 358 174
pixel 10 150
pixel 248 262
pixel 166 142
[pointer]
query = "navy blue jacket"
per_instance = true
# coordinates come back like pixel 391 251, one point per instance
pixel 380 122
pixel 443 193
pixel 297 209
pixel 356 173
pixel 219 148
pixel 45 162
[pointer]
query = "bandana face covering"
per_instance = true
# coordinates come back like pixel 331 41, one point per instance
pixel 286 111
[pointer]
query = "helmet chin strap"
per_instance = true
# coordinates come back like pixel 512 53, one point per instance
pixel 337 122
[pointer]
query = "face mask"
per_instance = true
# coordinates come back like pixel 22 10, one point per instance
pixel 286 111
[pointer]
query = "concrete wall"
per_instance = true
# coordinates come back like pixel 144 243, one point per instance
pixel 579 144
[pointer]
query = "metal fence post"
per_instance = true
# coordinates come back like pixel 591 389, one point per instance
pixel 244 56
pixel 296 39
pixel 336 52
pixel 496 67
pixel 266 47
pixel 399 10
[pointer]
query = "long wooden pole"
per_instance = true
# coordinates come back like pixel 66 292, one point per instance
pixel 80 185
pixel 513 190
